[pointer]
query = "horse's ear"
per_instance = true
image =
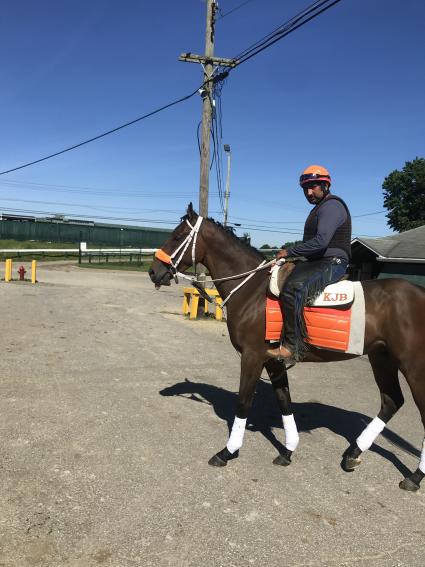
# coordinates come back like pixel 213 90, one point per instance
pixel 190 212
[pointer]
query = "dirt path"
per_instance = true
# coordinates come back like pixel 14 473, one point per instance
pixel 111 405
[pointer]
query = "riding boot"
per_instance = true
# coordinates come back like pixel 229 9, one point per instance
pixel 286 348
pixel 280 352
pixel 305 282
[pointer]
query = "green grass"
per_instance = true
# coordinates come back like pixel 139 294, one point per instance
pixel 35 244
pixel 55 256
pixel 114 262
pixel 31 244
pixel 129 266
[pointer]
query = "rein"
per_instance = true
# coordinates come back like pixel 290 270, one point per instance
pixel 192 236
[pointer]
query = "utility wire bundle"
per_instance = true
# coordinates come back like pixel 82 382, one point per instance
pixel 279 33
pixel 285 29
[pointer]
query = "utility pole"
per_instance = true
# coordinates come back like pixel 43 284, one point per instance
pixel 227 194
pixel 209 63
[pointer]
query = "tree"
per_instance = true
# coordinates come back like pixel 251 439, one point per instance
pixel 291 244
pixel 404 196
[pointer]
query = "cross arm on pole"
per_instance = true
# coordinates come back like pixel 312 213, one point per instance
pixel 193 58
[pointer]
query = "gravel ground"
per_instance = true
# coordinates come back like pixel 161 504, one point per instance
pixel 111 404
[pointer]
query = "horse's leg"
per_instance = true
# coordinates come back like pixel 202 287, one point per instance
pixel 385 370
pixel 279 379
pixel 415 377
pixel 251 367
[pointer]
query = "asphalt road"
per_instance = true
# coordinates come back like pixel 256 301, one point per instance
pixel 111 404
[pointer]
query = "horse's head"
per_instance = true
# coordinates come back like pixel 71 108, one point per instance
pixel 177 252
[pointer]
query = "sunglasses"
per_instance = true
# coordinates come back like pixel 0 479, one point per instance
pixel 312 176
pixel 311 185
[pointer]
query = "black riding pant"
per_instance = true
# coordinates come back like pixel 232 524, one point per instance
pixel 304 284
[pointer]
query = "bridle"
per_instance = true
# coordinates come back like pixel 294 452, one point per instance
pixel 169 258
pixel 172 264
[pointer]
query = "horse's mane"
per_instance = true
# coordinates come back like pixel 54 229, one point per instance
pixel 229 231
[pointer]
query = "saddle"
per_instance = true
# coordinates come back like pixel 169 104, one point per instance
pixel 336 294
pixel 335 320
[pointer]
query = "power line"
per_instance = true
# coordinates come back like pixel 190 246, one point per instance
pixel 32 186
pixel 95 207
pixel 152 221
pixel 84 190
pixel 233 10
pixel 72 189
pixel 90 217
pixel 278 30
pixel 368 214
pixel 249 53
pixel 262 229
pixel 259 224
pixel 285 29
pixel 182 99
pixel 302 222
pixel 292 232
pixel 218 142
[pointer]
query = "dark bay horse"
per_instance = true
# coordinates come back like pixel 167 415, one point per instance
pixel 394 335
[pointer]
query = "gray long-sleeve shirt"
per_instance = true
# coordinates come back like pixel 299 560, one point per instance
pixel 330 216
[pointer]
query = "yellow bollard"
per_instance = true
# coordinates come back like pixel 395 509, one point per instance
pixel 194 302
pixel 218 308
pixel 34 271
pixel 191 301
pixel 8 270
pixel 186 301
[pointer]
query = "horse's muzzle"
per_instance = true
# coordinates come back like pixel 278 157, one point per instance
pixel 160 279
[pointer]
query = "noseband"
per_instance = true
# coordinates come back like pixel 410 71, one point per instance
pixel 192 236
pixel 169 259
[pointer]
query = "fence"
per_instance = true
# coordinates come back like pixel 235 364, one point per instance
pixel 94 233
pixel 138 256
pixel 98 255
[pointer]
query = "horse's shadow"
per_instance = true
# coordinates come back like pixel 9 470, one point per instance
pixel 264 416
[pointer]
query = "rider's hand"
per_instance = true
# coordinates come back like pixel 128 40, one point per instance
pixel 282 254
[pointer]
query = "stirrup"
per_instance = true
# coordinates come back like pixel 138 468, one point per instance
pixel 278 356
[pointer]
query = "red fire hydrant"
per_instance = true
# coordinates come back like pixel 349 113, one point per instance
pixel 22 271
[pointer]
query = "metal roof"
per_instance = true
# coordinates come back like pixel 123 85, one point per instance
pixel 409 244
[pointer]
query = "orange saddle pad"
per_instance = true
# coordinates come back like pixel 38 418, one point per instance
pixel 326 327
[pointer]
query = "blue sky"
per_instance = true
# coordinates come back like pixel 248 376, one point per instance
pixel 346 91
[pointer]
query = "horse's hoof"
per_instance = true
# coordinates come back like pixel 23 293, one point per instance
pixel 351 458
pixel 217 462
pixel 350 463
pixel 283 459
pixel 408 484
pixel 220 459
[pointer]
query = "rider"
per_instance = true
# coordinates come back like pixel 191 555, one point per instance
pixel 326 246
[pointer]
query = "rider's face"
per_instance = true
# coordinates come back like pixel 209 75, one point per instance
pixel 313 193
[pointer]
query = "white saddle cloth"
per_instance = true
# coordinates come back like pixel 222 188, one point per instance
pixel 340 293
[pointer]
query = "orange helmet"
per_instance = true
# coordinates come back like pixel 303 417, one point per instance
pixel 315 173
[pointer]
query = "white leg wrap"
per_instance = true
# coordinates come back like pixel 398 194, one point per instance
pixel 291 432
pixel 422 463
pixel 368 436
pixel 236 436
